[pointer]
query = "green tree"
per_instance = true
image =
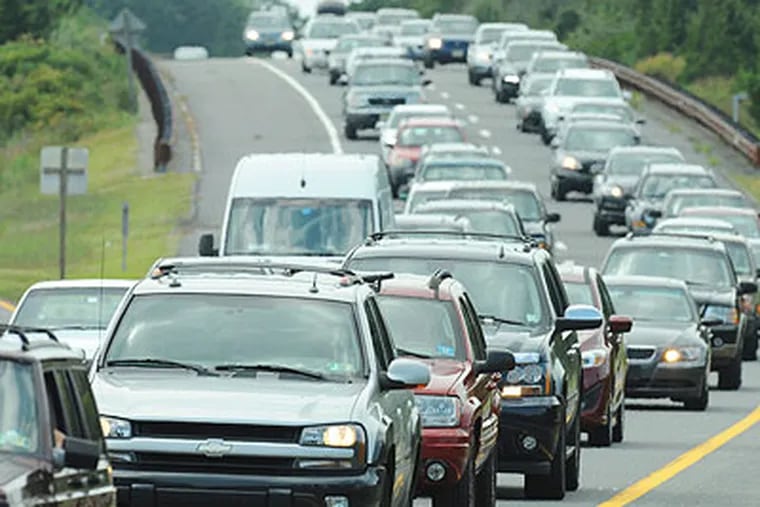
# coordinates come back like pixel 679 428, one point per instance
pixel 33 17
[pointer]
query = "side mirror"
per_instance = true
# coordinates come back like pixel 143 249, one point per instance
pixel 206 246
pixel 757 274
pixel 620 324
pixel 406 373
pixel 641 121
pixel 552 218
pixel 343 80
pixel 746 288
pixel 497 361
pixel 655 213
pixel 77 453
pixel 579 318
pixel 554 143
pixel 710 322
pixel 427 82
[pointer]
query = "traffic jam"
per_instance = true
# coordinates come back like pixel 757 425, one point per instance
pixel 367 329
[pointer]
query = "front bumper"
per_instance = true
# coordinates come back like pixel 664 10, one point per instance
pixel 538 417
pixel 447 446
pixel 448 54
pixel 367 118
pixel 480 70
pixel 316 60
pixel 151 489
pixel 611 209
pixel 569 180
pixel 654 380
pixel 268 46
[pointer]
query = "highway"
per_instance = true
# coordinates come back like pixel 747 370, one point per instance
pixel 241 106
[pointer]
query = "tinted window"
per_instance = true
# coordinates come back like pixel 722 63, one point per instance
pixel 523 53
pixel 652 303
pixel 490 222
pixel 555 64
pixel 632 164
pixel 657 186
pixel 740 257
pixel 579 293
pixel 216 329
pixel 525 202
pixel 569 87
pixel 376 75
pixel 457 25
pixel 697 266
pixel 423 327
pixel 419 136
pixel 74 307
pixel 332 30
pixel 746 225
pixel 380 340
pixel 509 291
pixel 433 172
pixel 598 139
pixel 89 409
pixel 19 418
pixel 676 203
pixel 297 226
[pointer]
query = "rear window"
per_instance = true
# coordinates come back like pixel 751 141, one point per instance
pixel 419 136
pixel 652 303
pixel 456 172
pixel 87 308
pixel 632 164
pixel 579 293
pixel 587 88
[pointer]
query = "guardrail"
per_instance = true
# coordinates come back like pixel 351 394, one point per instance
pixel 689 105
pixel 160 102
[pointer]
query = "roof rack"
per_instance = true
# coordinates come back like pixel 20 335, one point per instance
pixel 456 234
pixel 686 235
pixel 22 331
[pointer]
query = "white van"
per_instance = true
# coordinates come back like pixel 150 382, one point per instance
pixel 300 205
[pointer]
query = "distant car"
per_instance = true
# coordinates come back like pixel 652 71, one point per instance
pixel 694 224
pixel 453 150
pixel 432 223
pixel 481 50
pixel 517 34
pixel 389 19
pixel 604 106
pixel 448 39
pixel 529 100
pixel 320 36
pixel 433 319
pixel 389 128
pixel 745 220
pixel 681 198
pixel 603 354
pixel 464 169
pixel 668 348
pixel 266 32
pixel 584 145
pixel 52 450
pixel 336 62
pixel 645 205
pixel 411 36
pixel 77 311
pixel 571 119
pixel 365 19
pixel 375 88
pixel 187 53
pixel 413 134
pixel 616 180
pixel 362 55
pixel 549 62
pixel 335 7
pixel 509 72
pixel 487 217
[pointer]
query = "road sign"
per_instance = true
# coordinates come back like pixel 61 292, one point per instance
pixel 124 27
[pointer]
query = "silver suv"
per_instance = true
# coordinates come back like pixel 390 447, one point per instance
pixel 232 381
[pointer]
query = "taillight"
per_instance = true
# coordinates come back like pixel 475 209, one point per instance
pixel 734 316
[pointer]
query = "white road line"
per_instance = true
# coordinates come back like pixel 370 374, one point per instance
pixel 459 106
pixel 473 119
pixel 444 95
pixel 332 132
pixel 485 133
pixel 496 150
pixel 431 87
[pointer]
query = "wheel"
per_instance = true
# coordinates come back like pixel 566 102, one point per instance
pixel 601 436
pixel 545 137
pixel 290 54
pixel 350 131
pixel 730 377
pixel 485 482
pixel 700 402
pixel 387 498
pixel 601 228
pixel 560 194
pixel 552 486
pixel 304 68
pixel 573 465
pixel 463 493
pixel 333 79
pixel 473 79
pixel 617 430
pixel 501 97
pixel 750 345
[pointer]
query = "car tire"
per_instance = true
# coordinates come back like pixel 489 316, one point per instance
pixel 462 494
pixel 601 436
pixel 485 482
pixel 619 428
pixel 333 79
pixel 472 78
pixel 730 377
pixel 552 486
pixel 700 402
pixel 750 345
pixel 558 193
pixel 601 228
pixel 387 498
pixel 350 132
pixel 429 63
pixel 573 465
pixel 501 97
pixel 305 69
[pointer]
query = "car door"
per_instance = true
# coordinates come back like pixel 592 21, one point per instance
pixel 618 354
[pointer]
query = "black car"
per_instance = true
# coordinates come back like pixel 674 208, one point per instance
pixel 705 266
pixel 616 180
pixel 669 348
pixel 584 145
pixel 522 304
pixel 51 443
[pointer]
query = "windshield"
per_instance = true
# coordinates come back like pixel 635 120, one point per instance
pixel 587 88
pixel 69 307
pixel 579 293
pixel 465 26
pixel 632 164
pixel 652 303
pixel 423 327
pixel 19 420
pixel 657 186
pixel 346 45
pixel 395 18
pixel 490 35
pixel 695 265
pixel 619 111
pixel 462 172
pixel 398 117
pixel 210 330
pixel 414 29
pixel 373 75
pixel 522 53
pixel 508 291
pixel 701 228
pixel 740 257
pixel 332 30
pixel 419 136
pixel 745 225
pixel 420 197
pixel 598 139
pixel 535 87
pixel 296 226
pixel 676 203
pixel 485 221
pixel 273 22
pixel 525 202
pixel 555 64
pixel 365 22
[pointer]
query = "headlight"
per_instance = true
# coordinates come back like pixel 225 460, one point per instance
pixel 616 191
pixel 341 436
pixel 552 108
pixel 681 355
pixel 438 411
pixel 571 163
pixel 435 43
pixel 593 358
pixel 115 428
pixel 726 314
pixel 287 36
pixel 483 55
pixel 525 380
pixel 355 101
pixel 251 34
pixel 511 78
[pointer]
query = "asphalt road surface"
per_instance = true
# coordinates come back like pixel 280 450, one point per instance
pixel 241 106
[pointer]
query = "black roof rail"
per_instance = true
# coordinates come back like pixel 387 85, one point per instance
pixel 376 236
pixel 687 235
pixel 22 331
pixel 437 278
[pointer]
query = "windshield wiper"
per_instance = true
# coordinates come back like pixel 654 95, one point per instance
pixel 160 363
pixel 273 368
pixel 76 327
pixel 502 320
pixel 404 352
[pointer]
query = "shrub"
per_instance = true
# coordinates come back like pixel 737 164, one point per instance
pixel 663 65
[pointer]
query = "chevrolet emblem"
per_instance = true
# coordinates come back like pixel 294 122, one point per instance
pixel 214 448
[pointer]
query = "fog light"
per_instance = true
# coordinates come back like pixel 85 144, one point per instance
pixel 336 501
pixel 435 472
pixel 529 443
pixel 717 342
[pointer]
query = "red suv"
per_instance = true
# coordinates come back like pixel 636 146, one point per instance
pixel 603 355
pixel 433 319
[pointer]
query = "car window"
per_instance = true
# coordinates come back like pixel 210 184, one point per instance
pixel 579 293
pixel 746 225
pixel 553 64
pixel 414 29
pixel 657 186
pixel 378 75
pixel 485 221
pixel 474 329
pixel 397 117
pixel 19 416
pixel 740 257
pixel 535 87
pixel 490 35
pixel 607 305
pixel 632 164
pixel 59 308
pixel 597 139
pixel 433 172
pixel 675 203
pixel 379 340
pixel 332 30
pixel 88 407
pixel 526 203
pixel 457 25
pixel 576 87
pixel 652 303
pixel 554 294
pixel 419 136
pixel 63 404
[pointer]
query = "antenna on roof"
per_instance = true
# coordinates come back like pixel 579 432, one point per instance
pixel 102 289
pixel 313 289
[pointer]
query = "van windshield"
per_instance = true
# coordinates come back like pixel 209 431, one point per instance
pixel 308 226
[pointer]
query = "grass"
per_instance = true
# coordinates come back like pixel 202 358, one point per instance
pixel 29 221
pixel 749 183
pixel 719 91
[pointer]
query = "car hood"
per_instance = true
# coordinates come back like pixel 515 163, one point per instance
pixel 625 181
pixel 712 296
pixel 444 374
pixel 319 44
pixel 662 334
pixel 181 396
pixel 515 339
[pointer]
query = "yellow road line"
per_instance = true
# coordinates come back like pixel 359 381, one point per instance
pixel 7 306
pixel 682 462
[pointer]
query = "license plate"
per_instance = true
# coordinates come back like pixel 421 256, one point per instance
pixel 457 53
